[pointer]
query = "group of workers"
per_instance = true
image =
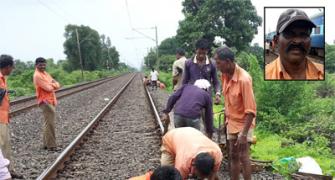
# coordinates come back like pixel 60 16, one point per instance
pixel 153 80
pixel 186 147
pixel 45 87
pixel 186 151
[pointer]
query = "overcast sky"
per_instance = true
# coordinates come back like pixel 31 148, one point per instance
pixel 32 28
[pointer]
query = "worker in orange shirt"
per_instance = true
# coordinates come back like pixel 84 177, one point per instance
pixel 45 91
pixel 192 153
pixel 161 173
pixel 240 111
pixel 6 67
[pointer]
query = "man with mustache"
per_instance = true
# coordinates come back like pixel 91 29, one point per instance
pixel 293 39
pixel 45 87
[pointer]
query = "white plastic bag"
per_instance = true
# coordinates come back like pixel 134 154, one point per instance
pixel 309 165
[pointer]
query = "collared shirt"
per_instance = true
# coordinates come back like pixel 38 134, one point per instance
pixel 275 70
pixel 195 71
pixel 239 99
pixel 146 176
pixel 189 101
pixel 4 106
pixel 185 144
pixel 45 88
pixel 179 63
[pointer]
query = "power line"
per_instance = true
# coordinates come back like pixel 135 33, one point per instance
pixel 56 13
pixel 65 11
pixel 128 13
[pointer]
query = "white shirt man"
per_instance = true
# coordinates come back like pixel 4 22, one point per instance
pixel 178 69
pixel 154 75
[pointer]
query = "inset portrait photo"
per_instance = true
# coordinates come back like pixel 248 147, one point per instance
pixel 294 43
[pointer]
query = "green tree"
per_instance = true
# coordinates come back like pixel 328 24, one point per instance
pixel 166 62
pixel 20 67
pixel 234 21
pixel 326 88
pixel 281 104
pixel 257 51
pixel 110 56
pixel 150 59
pixel 168 46
pixel 51 64
pixel 90 46
pixel 114 56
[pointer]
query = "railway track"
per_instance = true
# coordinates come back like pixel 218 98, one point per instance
pixel 26 103
pixel 121 141
pixel 73 112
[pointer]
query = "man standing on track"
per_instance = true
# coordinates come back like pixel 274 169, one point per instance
pixel 240 111
pixel 6 67
pixel 154 79
pixel 178 69
pixel 200 67
pixel 45 91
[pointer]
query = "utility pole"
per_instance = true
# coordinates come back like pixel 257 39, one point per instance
pixel 148 37
pixel 108 58
pixel 157 55
pixel 81 61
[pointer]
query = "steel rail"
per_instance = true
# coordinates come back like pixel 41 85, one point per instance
pixel 51 171
pixel 34 104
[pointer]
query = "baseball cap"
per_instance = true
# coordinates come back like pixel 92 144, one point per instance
pixel 291 15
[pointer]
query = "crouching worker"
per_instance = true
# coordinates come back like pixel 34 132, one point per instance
pixel 146 81
pixel 161 173
pixel 188 102
pixel 192 153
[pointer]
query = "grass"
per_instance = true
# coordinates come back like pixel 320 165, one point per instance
pixel 269 147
